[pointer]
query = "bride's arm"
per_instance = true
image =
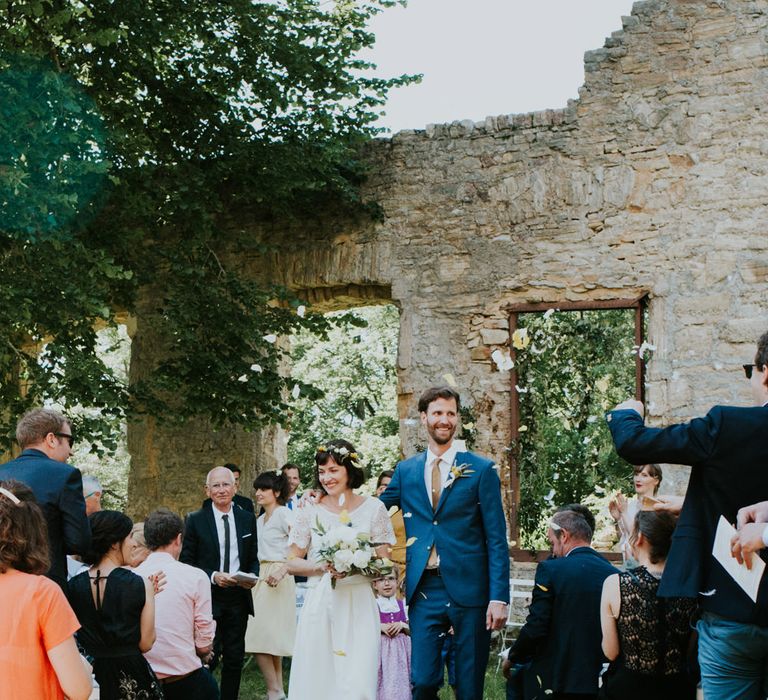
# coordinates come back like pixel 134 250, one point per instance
pixel 299 566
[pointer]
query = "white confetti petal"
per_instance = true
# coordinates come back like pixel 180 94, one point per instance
pixel 407 515
pixel 301 311
pixel 342 499
pixel 708 593
pixel 256 368
pixel 450 380
pixel 296 391
pixel 242 378
pixel 270 338
pixel 503 360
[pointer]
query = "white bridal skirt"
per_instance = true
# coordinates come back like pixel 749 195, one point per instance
pixel 337 642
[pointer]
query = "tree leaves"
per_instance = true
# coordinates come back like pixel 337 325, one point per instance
pixel 141 146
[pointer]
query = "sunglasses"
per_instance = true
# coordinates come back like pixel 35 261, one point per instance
pixel 66 436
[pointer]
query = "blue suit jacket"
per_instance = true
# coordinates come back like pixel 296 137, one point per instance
pixel 468 528
pixel 562 633
pixel 728 453
pixel 58 489
pixel 201 548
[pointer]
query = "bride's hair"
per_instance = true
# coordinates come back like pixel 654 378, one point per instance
pixel 345 455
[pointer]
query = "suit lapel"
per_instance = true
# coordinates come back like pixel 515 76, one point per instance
pixel 418 484
pixel 210 521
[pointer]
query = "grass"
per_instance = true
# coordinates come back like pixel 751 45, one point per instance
pixel 252 686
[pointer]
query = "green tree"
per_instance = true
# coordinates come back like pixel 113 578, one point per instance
pixel 355 371
pixel 572 366
pixel 137 139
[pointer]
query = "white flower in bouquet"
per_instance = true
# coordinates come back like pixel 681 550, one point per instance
pixel 361 558
pixel 343 560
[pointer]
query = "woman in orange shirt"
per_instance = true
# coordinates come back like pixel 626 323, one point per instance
pixel 38 654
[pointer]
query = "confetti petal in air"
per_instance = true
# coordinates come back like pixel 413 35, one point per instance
pixel 242 378
pixel 708 593
pixel 543 588
pixel 520 339
pixel 410 541
pixel 256 368
pixel 450 380
pixel 270 338
pixel 503 360
pixel 296 391
pixel 301 311
pixel 342 500
pixel 339 652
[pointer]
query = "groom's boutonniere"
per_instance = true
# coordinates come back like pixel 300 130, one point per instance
pixel 458 471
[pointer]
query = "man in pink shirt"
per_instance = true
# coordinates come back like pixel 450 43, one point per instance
pixel 183 616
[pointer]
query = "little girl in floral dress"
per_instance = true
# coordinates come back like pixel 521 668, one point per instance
pixel 395 660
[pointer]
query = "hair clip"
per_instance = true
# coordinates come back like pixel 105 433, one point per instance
pixel 10 496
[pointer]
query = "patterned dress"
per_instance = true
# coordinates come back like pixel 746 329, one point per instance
pixel 110 635
pixel 654 635
pixel 395 663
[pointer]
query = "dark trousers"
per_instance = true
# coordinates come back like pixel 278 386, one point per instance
pixel 432 613
pixel 200 685
pixel 231 614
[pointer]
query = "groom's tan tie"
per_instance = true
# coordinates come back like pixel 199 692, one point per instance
pixel 437 486
pixel 437 483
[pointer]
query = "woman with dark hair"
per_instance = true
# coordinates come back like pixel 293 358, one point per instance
pixel 646 480
pixel 116 609
pixel 337 640
pixel 645 637
pixel 272 629
pixel 37 647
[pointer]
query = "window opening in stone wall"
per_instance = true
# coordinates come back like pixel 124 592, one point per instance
pixel 572 363
pixel 108 461
pixel 355 372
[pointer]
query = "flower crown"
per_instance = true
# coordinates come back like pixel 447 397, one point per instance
pixel 341 453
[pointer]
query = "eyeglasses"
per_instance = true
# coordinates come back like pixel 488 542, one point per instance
pixel 66 436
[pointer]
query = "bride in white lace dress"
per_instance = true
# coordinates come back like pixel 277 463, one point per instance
pixel 337 641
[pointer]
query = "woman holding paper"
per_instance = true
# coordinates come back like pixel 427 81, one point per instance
pixel 645 637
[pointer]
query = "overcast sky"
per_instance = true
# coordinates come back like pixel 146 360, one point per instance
pixel 488 57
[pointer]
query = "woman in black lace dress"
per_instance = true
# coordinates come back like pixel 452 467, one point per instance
pixel 646 637
pixel 116 609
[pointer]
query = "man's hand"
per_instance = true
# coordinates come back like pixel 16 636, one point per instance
pixel 496 616
pixel 670 504
pixel 747 540
pixel 632 405
pixel 224 580
pixel 506 665
pixel 247 584
pixel 757 513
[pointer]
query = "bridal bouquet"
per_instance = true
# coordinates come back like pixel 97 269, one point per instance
pixel 350 551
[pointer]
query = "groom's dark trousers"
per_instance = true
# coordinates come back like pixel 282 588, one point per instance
pixel 433 614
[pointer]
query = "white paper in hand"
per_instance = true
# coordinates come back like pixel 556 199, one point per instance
pixel 748 579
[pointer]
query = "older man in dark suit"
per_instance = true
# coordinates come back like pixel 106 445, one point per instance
pixel 45 437
pixel 728 452
pixel 562 635
pixel 220 539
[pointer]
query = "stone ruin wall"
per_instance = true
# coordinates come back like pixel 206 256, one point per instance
pixel 654 181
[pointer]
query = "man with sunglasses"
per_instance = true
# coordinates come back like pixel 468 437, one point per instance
pixel 728 452
pixel 45 437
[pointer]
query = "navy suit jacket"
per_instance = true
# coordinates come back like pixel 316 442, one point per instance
pixel 728 453
pixel 468 528
pixel 58 489
pixel 201 548
pixel 562 633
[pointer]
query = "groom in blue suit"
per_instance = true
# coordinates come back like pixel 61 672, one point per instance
pixel 457 565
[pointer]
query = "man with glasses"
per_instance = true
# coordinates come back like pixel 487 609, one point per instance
pixel 728 452
pixel 220 539
pixel 45 437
